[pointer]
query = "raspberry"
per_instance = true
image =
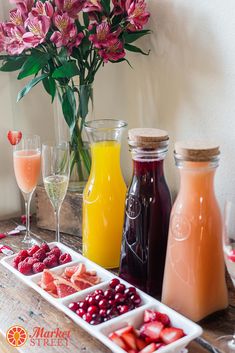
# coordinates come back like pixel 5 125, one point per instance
pixel 23 253
pixel 32 260
pixel 55 251
pixel 45 247
pixel 40 255
pixel 50 261
pixel 32 250
pixel 38 267
pixel 64 258
pixel 17 260
pixel 24 267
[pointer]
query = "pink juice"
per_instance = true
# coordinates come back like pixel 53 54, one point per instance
pixel 27 164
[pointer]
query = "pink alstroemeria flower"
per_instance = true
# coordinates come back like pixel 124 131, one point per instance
pixel 16 17
pixel 25 6
pixel 72 7
pixel 113 52
pixel 92 6
pixel 67 34
pixel 119 6
pixel 43 9
pixel 103 38
pixel 137 14
pixel 2 38
pixel 38 28
pixel 15 44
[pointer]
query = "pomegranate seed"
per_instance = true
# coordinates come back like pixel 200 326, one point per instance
pixel 108 294
pixel 73 306
pixel 136 299
pixel 87 317
pixel 120 288
pixel 103 304
pixel 92 301
pixel 111 302
pixel 83 305
pixel 92 310
pixel 119 298
pixel 80 312
pixel 99 297
pixel 130 291
pixel 103 312
pixel 98 291
pixel 123 309
pixel 114 282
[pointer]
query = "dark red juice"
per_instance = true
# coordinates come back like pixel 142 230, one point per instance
pixel 148 206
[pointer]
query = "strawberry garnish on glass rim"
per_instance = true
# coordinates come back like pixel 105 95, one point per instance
pixel 14 137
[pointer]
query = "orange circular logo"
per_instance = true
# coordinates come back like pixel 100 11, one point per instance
pixel 16 336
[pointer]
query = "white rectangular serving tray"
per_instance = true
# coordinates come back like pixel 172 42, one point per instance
pixel 101 331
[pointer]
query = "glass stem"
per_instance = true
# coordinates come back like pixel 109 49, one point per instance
pixel 57 220
pixel 27 200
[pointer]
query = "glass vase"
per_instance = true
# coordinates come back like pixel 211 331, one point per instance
pixel 80 160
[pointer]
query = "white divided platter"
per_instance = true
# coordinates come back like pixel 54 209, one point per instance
pixel 102 330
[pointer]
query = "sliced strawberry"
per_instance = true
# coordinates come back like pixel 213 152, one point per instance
pixel 163 318
pixel 14 137
pixel 149 349
pixel 140 343
pixel 118 340
pixel 152 330
pixel 132 351
pixel 149 315
pixel 123 330
pixel 171 334
pixel 159 345
pixel 129 339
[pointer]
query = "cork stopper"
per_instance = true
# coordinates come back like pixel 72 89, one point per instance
pixel 196 150
pixel 148 138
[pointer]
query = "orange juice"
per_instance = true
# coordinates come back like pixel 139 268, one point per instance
pixel 27 165
pixel 103 206
pixel 194 277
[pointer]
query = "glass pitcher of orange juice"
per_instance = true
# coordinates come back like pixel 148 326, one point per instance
pixel 194 276
pixel 104 194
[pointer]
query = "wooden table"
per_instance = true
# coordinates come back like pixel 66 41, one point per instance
pixel 21 305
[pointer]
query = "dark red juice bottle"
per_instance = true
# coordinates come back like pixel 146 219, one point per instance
pixel 148 206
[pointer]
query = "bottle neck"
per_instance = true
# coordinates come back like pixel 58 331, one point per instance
pixel 197 177
pixel 105 156
pixel 150 167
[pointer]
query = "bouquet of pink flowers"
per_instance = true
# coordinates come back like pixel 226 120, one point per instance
pixel 56 40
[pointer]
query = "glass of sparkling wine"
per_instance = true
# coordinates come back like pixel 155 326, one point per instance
pixel 27 166
pixel 55 172
pixel 227 343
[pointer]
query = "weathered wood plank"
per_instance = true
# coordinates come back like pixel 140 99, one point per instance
pixel 70 215
pixel 21 305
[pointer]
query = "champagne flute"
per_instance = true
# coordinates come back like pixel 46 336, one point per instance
pixel 55 172
pixel 227 343
pixel 27 161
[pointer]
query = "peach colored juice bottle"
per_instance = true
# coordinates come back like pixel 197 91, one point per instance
pixel 194 278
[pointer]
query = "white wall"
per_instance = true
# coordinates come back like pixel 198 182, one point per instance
pixel 186 86
pixel 32 115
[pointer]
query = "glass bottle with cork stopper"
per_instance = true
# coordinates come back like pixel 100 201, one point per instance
pixel 194 262
pixel 148 205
